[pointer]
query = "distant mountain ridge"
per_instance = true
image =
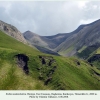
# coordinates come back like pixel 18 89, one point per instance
pixel 86 38
pixel 50 42
pixel 46 42
pixel 88 35
pixel 68 44
pixel 40 42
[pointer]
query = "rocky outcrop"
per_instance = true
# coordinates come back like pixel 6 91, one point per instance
pixel 94 58
pixel 96 73
pixel 77 62
pixel 47 68
pixel 12 31
pixel 22 61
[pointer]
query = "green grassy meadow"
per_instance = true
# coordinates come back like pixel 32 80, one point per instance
pixel 69 75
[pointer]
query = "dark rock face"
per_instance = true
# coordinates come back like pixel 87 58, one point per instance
pixel 91 64
pixel 96 73
pixel 48 80
pixel 43 61
pixel 22 61
pixel 94 58
pixel 51 62
pixel 5 28
pixel 47 69
pixel 78 63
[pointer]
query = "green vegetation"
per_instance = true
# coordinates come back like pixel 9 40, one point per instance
pixel 10 43
pixel 87 52
pixel 80 50
pixel 97 61
pixel 70 74
pixel 98 51
pixel 73 76
pixel 62 52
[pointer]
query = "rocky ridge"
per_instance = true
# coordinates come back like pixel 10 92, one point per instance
pixel 12 31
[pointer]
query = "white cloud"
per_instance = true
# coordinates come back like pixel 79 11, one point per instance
pixel 82 4
pixel 51 17
pixel 95 6
pixel 87 21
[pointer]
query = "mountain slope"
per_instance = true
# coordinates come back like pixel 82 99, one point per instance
pixel 35 39
pixel 46 44
pixel 45 71
pixel 88 35
pixel 57 42
pixel 50 42
pixel 41 43
pixel 12 31
pixel 9 42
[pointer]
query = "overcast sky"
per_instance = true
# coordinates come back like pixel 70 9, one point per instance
pixel 49 17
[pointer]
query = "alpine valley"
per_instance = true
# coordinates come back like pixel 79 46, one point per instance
pixel 66 61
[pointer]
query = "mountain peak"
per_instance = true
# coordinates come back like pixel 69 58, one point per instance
pixel 29 33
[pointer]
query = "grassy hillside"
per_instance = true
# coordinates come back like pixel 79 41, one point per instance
pixel 95 58
pixel 69 73
pixel 9 42
pixel 98 51
pixel 86 52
